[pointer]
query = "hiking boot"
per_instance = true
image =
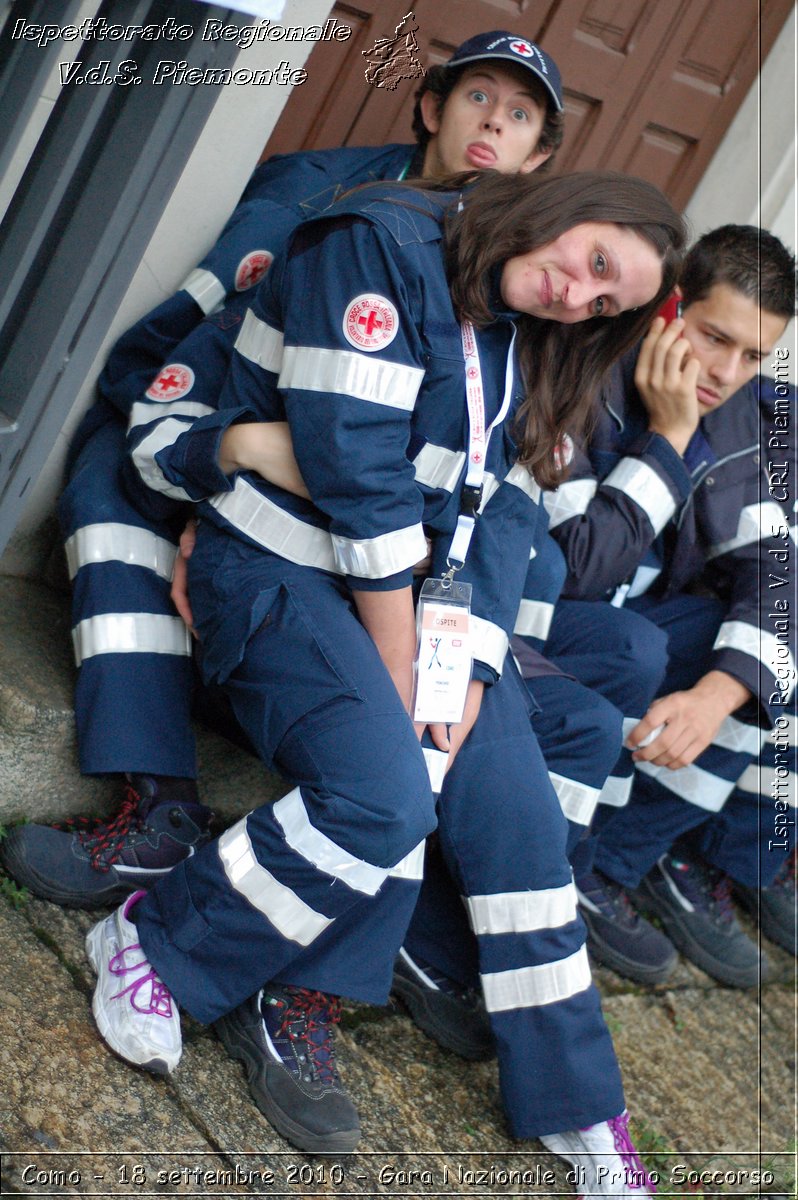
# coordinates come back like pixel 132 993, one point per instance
pixel 93 863
pixel 774 907
pixel 606 1161
pixel 618 936
pixel 453 1016
pixel 693 901
pixel 132 1007
pixel 283 1036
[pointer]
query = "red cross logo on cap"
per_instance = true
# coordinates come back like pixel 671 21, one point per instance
pixel 522 48
pixel 171 382
pixel 371 322
pixel 252 268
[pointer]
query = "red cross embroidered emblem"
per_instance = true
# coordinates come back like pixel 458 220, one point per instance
pixel 171 383
pixel 370 322
pixel 252 268
pixel 522 48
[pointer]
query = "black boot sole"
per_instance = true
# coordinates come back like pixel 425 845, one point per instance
pixel 243 1046
pixel 21 871
pixel 629 968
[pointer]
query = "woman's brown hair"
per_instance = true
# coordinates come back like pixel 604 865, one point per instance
pixel 503 216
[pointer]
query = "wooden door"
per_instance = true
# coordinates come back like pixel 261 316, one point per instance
pixel 650 87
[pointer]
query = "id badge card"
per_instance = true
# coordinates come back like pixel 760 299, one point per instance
pixel 442 667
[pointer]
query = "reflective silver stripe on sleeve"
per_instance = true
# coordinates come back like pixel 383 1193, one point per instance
pixel 205 289
pixel 765 647
pixel 165 434
pixel 489 643
pixel 756 521
pixel 532 987
pixel 379 557
pixel 693 784
pixel 570 499
pixel 142 414
pixel 275 529
pixel 437 467
pixel 316 848
pixel 130 633
pixel 289 914
pixel 641 483
pixel 411 867
pixel 520 477
pixel 616 791
pixel 112 541
pixel 347 373
pixel 534 619
pixel 490 485
pixel 763 780
pixel 736 735
pixel 260 343
pixel 522 912
pixel 577 800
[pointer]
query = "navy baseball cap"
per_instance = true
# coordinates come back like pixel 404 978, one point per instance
pixel 500 44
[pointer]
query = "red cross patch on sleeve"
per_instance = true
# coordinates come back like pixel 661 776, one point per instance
pixel 370 322
pixel 171 383
pixel 252 268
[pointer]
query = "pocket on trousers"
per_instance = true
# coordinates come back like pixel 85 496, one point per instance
pixel 289 668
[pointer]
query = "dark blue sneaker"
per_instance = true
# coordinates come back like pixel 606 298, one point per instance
pixel 617 936
pixel 453 1016
pixel 93 863
pixel 283 1036
pixel 775 908
pixel 693 901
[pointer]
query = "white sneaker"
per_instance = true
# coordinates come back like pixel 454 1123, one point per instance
pixel 605 1159
pixel 133 1009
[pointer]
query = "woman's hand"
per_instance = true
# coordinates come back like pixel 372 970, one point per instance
pixel 179 592
pixel 451 737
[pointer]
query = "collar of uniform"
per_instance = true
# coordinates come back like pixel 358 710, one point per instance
pixel 495 302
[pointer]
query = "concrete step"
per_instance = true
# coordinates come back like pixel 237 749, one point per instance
pixel 709 1072
pixel 709 1076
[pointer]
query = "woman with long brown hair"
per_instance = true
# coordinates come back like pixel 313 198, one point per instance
pixel 428 350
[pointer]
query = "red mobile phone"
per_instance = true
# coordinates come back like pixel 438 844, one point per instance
pixel 671 309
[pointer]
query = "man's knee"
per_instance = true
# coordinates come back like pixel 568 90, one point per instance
pixel 642 653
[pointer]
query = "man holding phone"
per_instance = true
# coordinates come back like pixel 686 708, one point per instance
pixel 669 513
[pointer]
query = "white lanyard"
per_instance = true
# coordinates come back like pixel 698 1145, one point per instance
pixel 478 439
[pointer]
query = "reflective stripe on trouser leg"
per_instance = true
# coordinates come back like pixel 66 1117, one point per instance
pixel 668 804
pixel 251 907
pixel 622 656
pixel 503 834
pixel 342 960
pixel 135 677
pixel 761 811
pixel 664 806
pixel 579 734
